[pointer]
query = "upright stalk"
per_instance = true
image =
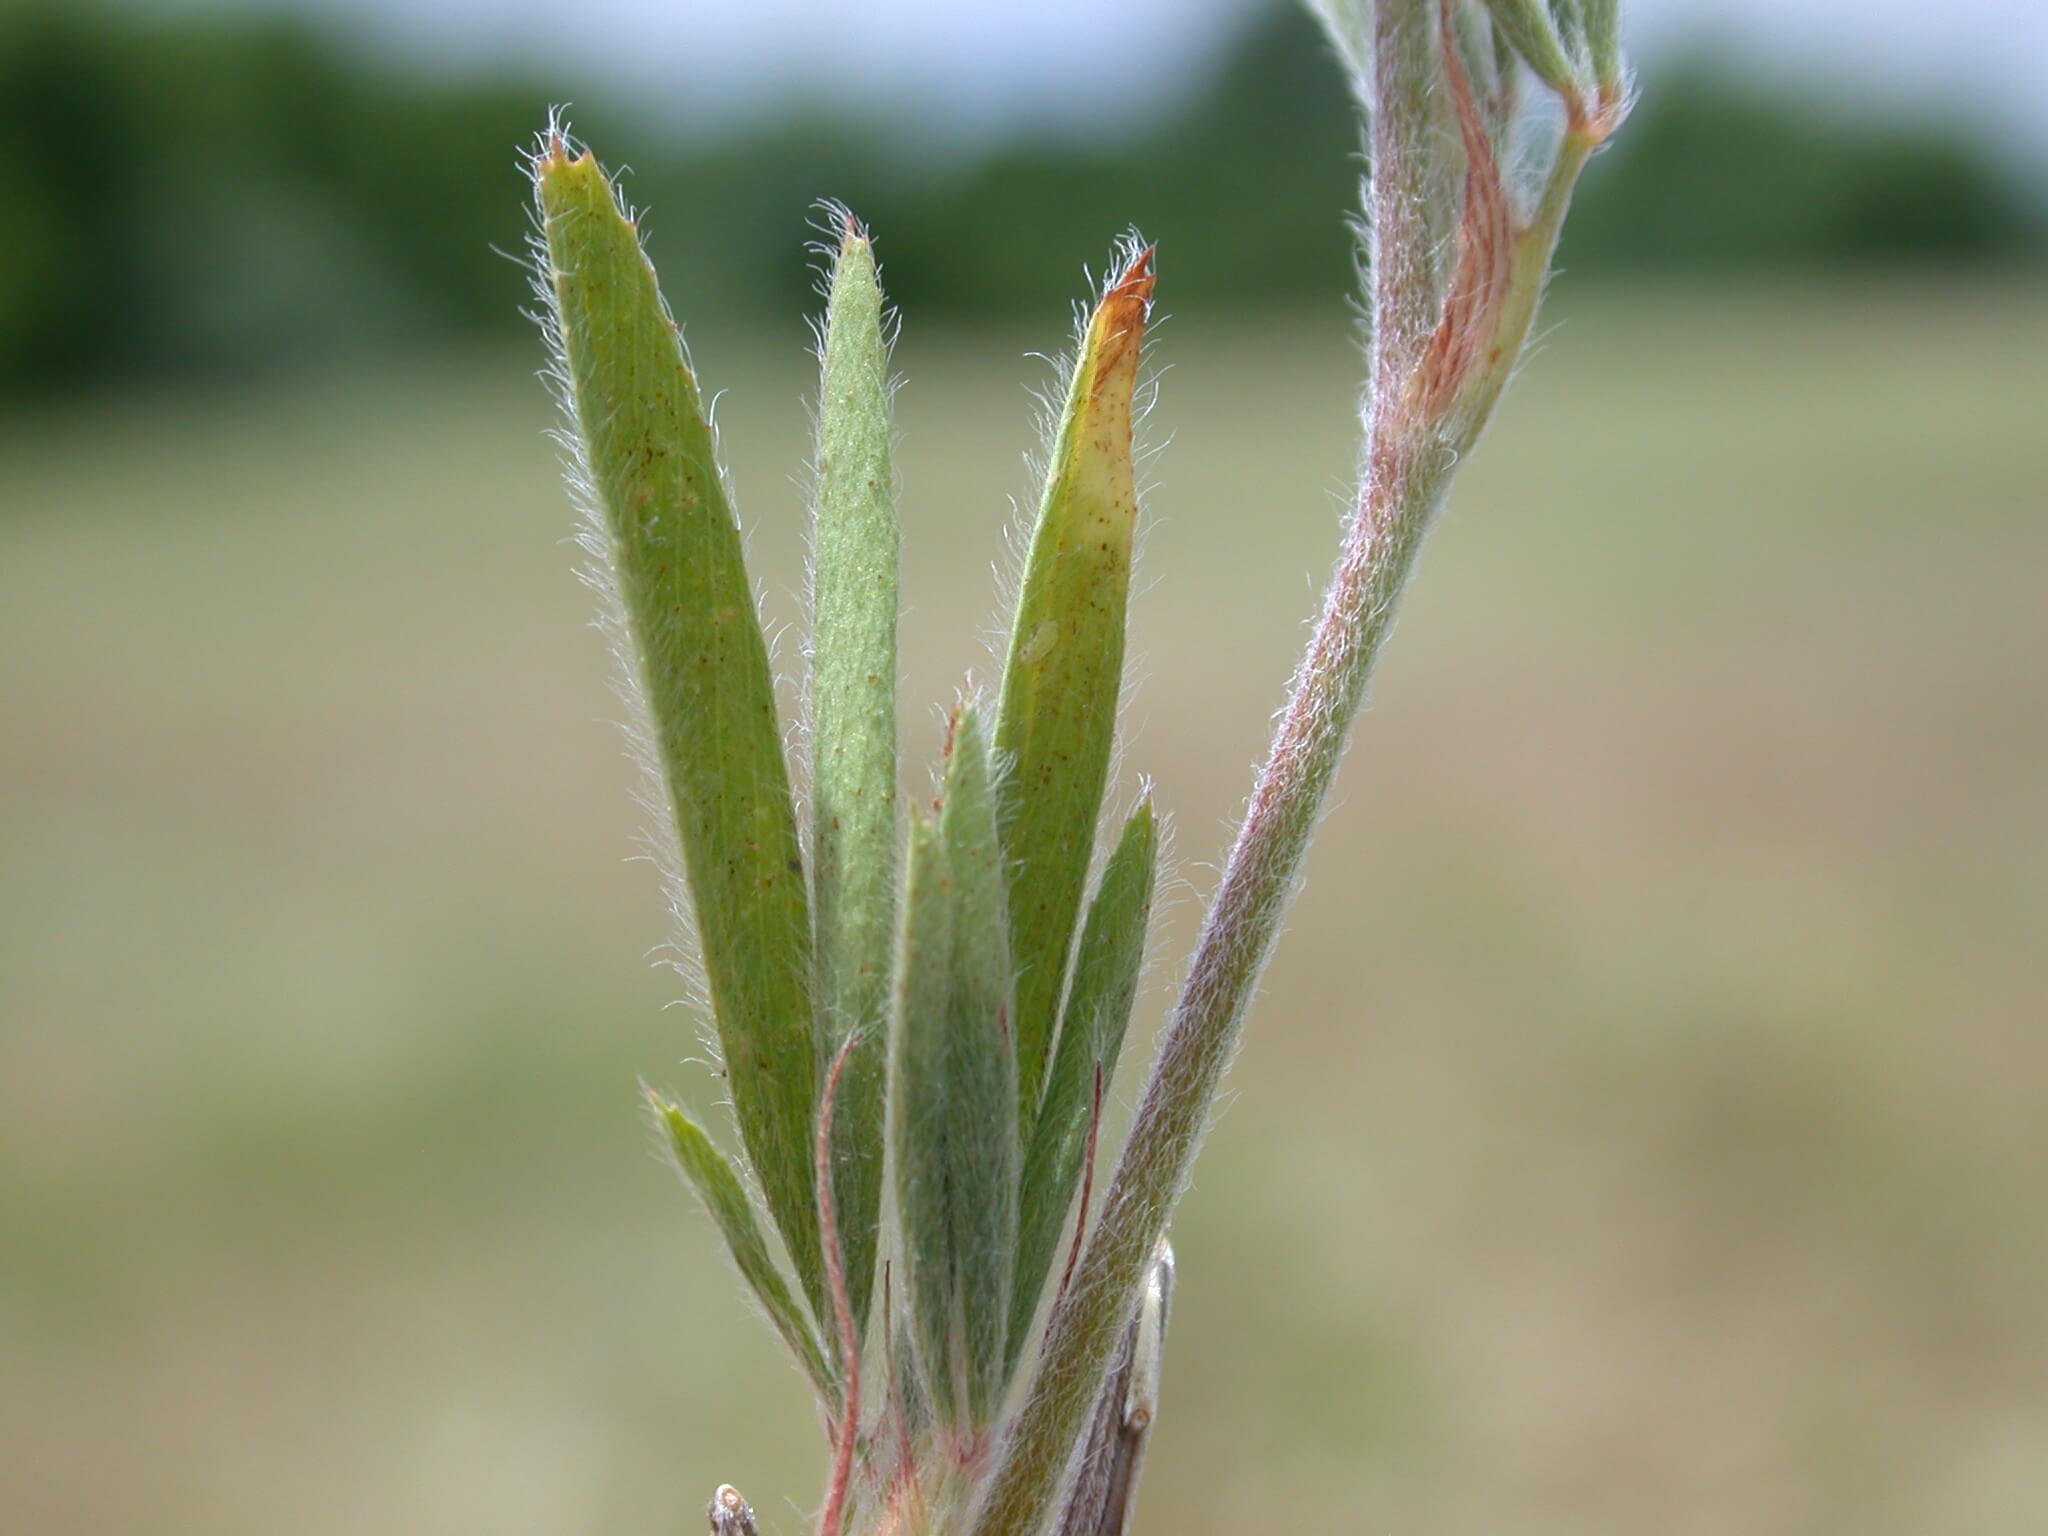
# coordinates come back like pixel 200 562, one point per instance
pixel 1441 353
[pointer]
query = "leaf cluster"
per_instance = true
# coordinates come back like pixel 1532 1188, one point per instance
pixel 938 966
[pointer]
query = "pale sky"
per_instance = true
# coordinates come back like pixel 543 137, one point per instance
pixel 978 65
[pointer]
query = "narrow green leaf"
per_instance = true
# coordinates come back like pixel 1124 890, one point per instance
pixel 1571 24
pixel 668 543
pixel 1603 41
pixel 719 1188
pixel 907 1401
pixel 982 1074
pixel 918 1060
pixel 953 1101
pixel 1098 1011
pixel 1060 683
pixel 1529 27
pixel 853 738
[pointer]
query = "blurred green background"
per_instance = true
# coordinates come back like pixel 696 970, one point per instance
pixel 1645 1123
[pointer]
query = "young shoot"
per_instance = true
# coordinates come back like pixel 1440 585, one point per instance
pixel 919 1007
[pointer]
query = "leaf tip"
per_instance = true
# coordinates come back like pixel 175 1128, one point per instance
pixel 556 147
pixel 1128 298
pixel 1117 329
pixel 1136 279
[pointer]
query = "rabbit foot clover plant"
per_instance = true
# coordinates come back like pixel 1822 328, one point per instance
pixel 919 1005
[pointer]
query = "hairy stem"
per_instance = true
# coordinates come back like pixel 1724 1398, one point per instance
pixel 1236 939
pixel 1463 351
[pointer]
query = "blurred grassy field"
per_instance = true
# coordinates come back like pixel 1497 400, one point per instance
pixel 1644 1127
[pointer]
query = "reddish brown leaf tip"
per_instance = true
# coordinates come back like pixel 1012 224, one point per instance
pixel 1119 324
pixel 1135 282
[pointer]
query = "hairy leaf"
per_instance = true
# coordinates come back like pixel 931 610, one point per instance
pixel 955 1093
pixel 853 738
pixel 1058 716
pixel 699 662
pixel 719 1188
pixel 1536 31
pixel 1603 41
pixel 982 1075
pixel 1098 1011
pixel 918 1059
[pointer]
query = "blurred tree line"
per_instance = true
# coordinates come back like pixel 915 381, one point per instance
pixel 234 192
